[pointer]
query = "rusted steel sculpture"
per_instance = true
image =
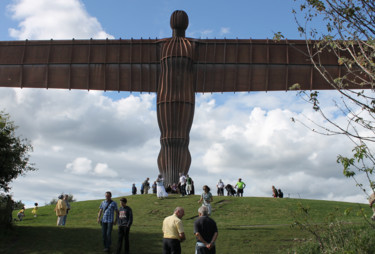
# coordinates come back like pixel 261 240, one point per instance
pixel 175 68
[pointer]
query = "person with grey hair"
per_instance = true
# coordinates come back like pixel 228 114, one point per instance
pixel 173 232
pixel 206 232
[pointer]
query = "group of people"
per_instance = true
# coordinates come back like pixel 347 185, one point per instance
pixel 185 186
pixel 62 209
pixel 21 213
pixel 205 228
pixel 109 215
pixel 205 231
pixel 277 193
pixel 231 190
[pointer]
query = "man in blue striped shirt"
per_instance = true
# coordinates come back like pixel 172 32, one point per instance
pixel 107 208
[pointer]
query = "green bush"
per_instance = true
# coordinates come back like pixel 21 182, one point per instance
pixel 6 208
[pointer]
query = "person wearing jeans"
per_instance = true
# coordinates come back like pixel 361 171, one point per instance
pixel 107 208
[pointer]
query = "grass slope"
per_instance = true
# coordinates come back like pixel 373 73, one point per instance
pixel 246 225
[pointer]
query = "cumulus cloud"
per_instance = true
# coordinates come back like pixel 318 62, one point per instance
pixel 58 19
pixel 80 166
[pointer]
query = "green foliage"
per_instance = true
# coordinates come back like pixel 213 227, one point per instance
pixel 334 234
pixel 14 158
pixel 6 209
pixel 349 34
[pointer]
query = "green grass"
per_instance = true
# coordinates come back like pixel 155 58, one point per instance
pixel 246 225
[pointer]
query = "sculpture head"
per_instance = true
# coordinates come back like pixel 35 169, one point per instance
pixel 179 23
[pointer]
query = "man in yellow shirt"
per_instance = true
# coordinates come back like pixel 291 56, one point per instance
pixel 173 232
pixel 60 210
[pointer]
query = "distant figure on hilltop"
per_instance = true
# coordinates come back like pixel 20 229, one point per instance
pixel 134 189
pixel 146 186
pixel 220 188
pixel 206 197
pixel 275 194
pixel 182 184
pixel 280 193
pixel 230 190
pixel 160 190
pixel 189 185
pixel 154 188
pixel 240 186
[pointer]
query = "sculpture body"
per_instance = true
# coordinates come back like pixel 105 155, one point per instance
pixel 175 103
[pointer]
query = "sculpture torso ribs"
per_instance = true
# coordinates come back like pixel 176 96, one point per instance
pixel 175 101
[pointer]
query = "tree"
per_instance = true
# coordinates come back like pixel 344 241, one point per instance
pixel 14 158
pixel 350 34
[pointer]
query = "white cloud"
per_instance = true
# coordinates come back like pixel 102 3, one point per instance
pixel 58 19
pixel 102 169
pixel 80 166
pixel 224 31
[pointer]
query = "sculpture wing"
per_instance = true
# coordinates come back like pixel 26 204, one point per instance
pixel 117 65
pixel 258 65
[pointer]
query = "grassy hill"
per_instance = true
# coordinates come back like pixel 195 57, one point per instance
pixel 246 225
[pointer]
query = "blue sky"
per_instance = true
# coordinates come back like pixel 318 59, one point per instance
pixel 86 143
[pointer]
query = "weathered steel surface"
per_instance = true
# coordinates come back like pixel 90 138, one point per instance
pixel 134 65
pixel 119 65
pixel 175 68
pixel 175 101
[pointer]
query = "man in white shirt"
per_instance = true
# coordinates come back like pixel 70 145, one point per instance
pixel 182 184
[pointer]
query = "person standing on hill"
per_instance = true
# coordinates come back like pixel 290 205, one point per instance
pixel 35 210
pixel 154 188
pixel 220 188
pixel 275 194
pixel 205 230
pixel 60 210
pixel 206 198
pixel 182 184
pixel 107 208
pixel 240 186
pixel 134 189
pixel 146 185
pixel 173 232
pixel 66 198
pixel 125 220
pixel 160 190
pixel 189 185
